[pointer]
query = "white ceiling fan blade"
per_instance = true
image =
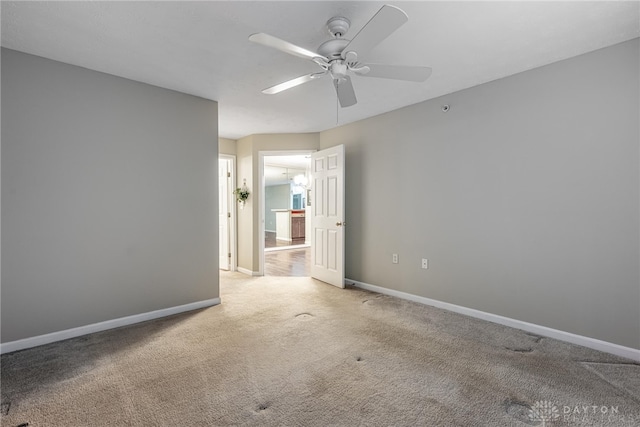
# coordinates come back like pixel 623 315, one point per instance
pixel 292 83
pixel 284 46
pixel 382 25
pixel 346 94
pixel 397 72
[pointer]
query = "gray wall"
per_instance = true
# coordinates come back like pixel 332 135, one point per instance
pixel 275 197
pixel 524 196
pixel 109 194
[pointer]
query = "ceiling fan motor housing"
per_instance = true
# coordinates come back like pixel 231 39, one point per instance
pixel 332 49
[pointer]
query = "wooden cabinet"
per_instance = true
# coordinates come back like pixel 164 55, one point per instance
pixel 297 226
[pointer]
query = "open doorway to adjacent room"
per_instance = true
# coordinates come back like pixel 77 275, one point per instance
pixel 285 249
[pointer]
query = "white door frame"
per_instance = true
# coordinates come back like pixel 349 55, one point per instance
pixel 233 266
pixel 261 156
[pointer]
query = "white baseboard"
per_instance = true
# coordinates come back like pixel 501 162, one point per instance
pixel 248 272
pixel 102 326
pixel 607 347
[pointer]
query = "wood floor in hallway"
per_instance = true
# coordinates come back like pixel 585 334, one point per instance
pixel 290 262
pixel 270 241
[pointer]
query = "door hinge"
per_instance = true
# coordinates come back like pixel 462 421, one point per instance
pixel 229 255
pixel 228 214
pixel 228 174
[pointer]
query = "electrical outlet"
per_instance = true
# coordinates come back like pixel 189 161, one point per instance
pixel 394 258
pixel 425 263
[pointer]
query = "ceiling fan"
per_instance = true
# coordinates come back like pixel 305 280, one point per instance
pixel 340 58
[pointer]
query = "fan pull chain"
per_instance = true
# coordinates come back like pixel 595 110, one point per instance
pixel 337 110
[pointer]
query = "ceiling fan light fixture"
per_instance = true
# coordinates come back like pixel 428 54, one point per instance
pixel 338 70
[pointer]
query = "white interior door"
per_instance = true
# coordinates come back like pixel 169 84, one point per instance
pixel 224 213
pixel 327 215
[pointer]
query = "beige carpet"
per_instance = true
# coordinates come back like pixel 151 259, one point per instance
pixel 296 352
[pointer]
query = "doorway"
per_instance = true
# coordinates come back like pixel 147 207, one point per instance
pixel 284 242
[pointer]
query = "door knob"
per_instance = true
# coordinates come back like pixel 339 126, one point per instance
pixel 340 224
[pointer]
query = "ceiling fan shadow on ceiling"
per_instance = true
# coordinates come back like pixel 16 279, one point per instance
pixel 339 58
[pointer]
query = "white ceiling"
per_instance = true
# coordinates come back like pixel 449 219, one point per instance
pixel 201 48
